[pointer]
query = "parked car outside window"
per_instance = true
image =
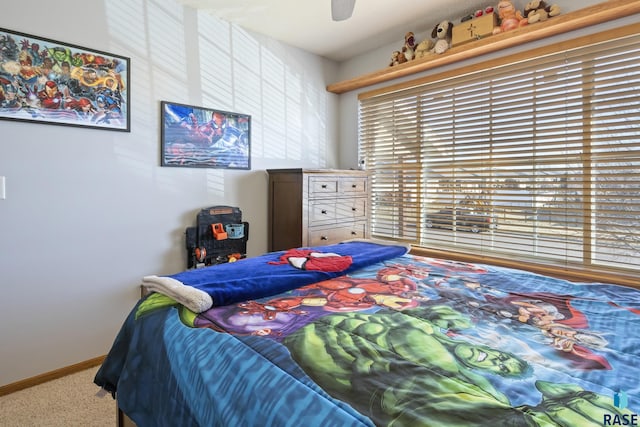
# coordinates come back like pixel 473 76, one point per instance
pixel 465 218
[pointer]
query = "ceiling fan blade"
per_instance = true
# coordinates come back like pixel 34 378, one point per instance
pixel 342 9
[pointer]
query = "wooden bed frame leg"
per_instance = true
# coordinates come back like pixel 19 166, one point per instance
pixel 119 417
pixel 122 420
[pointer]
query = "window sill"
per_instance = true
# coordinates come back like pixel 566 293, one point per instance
pixel 593 15
pixel 567 273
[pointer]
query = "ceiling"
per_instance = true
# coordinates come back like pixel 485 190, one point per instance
pixel 307 24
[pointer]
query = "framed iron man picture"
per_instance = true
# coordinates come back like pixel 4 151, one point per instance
pixel 205 138
pixel 47 81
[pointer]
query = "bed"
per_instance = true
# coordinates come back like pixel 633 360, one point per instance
pixel 363 333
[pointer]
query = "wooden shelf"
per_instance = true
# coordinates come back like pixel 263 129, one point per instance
pixel 592 15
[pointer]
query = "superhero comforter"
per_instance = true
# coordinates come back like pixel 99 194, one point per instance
pixel 405 341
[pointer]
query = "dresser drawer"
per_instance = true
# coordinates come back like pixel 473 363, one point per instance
pixel 352 185
pixel 351 209
pixel 322 212
pixel 322 186
pixel 329 236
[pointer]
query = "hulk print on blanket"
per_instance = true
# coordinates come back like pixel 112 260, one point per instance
pixel 422 376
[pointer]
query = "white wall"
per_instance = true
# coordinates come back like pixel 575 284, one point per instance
pixel 89 212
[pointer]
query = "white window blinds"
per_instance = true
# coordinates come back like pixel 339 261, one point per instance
pixel 537 160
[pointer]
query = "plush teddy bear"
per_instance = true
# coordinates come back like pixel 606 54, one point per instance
pixel 442 33
pixel 407 53
pixel 408 50
pixel 397 57
pixel 424 48
pixel 539 10
pixel 509 17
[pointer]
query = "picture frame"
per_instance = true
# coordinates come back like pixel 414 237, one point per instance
pixel 202 137
pixel 52 82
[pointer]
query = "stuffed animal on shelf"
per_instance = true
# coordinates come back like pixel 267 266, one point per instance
pixel 408 50
pixel 424 48
pixel 407 53
pixel 539 11
pixel 442 33
pixel 509 17
pixel 397 58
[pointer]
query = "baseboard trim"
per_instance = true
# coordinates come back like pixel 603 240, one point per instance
pixel 52 375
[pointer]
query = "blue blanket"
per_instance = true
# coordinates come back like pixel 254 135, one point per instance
pixel 269 274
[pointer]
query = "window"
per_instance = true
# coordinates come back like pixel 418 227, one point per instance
pixel 536 160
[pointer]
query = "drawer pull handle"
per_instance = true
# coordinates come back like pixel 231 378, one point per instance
pixel 324 185
pixel 353 233
pixel 324 238
pixel 354 209
pixel 324 211
pixel 353 186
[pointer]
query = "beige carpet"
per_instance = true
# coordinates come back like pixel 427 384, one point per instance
pixel 66 402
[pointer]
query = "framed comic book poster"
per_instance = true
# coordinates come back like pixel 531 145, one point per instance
pixel 204 138
pixel 47 81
